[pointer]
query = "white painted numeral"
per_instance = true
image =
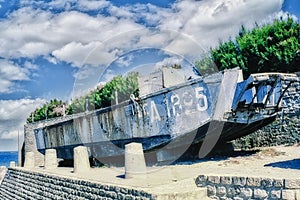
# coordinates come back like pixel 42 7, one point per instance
pixel 201 98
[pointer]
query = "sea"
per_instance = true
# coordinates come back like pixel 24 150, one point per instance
pixel 7 156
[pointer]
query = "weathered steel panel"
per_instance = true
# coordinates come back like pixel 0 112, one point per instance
pixel 150 83
pixel 40 139
pixel 171 112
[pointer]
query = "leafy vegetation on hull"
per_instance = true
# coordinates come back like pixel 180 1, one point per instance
pixel 103 96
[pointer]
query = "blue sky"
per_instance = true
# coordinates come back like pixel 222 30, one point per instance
pixel 61 48
pixel 292 6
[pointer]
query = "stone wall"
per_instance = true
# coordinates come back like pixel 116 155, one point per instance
pixel 21 184
pixel 284 131
pixel 240 188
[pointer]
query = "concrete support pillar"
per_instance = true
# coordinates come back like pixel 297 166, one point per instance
pixel 81 160
pixel 135 165
pixel 51 159
pixel 3 171
pixel 12 164
pixel 29 160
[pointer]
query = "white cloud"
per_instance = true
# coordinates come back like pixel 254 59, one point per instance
pixel 125 60
pixel 24 34
pixel 87 5
pixel 76 52
pixel 188 28
pixel 14 109
pixel 13 115
pixel 70 35
pixel 153 15
pixel 170 61
pixel 31 33
pixel 122 12
pixel 5 85
pixel 9 73
pixel 80 39
pixel 109 75
pixel 59 4
pixel 208 21
pixel 186 67
pixel 29 65
pixel 32 49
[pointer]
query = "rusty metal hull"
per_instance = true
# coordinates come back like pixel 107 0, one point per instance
pixel 216 108
pixel 154 120
pixel 163 148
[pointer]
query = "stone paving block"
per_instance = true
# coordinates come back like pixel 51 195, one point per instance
pixel 292 184
pixel 238 198
pixel 275 194
pixel 233 191
pixel 221 190
pixel 225 198
pixel 246 193
pixel 239 181
pixel 211 190
pixel 278 183
pixel 225 180
pixel 213 179
pixel 201 180
pixel 260 194
pixel 214 197
pixel 288 194
pixel 267 182
pixel 253 181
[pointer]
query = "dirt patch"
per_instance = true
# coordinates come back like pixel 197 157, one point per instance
pixel 269 152
pixel 230 161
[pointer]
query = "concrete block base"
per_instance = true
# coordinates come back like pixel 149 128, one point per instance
pixel 81 160
pixel 29 160
pixel 51 159
pixel 12 164
pixel 135 165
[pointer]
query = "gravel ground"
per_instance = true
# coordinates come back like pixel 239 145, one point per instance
pixel 274 162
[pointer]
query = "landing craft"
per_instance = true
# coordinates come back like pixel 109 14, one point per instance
pixel 171 117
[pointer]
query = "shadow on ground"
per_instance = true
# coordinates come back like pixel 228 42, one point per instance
pixel 216 156
pixel 289 164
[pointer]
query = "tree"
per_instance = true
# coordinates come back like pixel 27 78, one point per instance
pixel 271 48
pixel 54 108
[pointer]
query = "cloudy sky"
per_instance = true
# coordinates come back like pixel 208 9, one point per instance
pixel 59 48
